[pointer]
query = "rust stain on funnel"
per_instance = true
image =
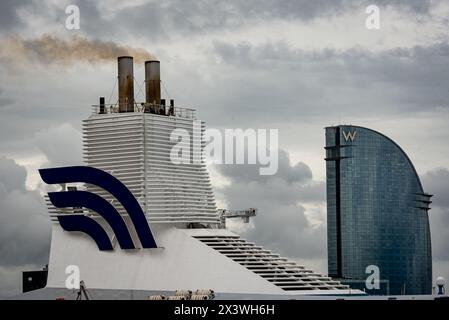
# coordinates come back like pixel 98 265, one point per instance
pixel 153 82
pixel 125 84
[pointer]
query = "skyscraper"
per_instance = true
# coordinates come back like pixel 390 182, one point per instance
pixel 377 214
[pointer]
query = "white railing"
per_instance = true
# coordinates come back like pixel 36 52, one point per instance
pixel 180 112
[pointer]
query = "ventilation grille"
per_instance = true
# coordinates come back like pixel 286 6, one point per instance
pixel 136 148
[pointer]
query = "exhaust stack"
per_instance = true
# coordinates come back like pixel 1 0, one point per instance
pixel 125 84
pixel 102 106
pixel 153 82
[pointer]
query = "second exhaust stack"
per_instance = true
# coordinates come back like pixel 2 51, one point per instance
pixel 153 82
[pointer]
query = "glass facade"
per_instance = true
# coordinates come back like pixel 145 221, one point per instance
pixel 377 214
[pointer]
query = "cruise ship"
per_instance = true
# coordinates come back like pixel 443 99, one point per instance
pixel 189 250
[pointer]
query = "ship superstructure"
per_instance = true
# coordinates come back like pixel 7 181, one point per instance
pixel 134 143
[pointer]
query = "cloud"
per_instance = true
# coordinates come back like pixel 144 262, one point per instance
pixel 4 101
pixel 10 281
pixel 354 68
pixel 12 176
pixel 420 7
pixel 273 83
pixel 24 227
pixel 436 182
pixel 9 18
pixel 160 21
pixel 282 223
pixel 248 173
pixel 62 145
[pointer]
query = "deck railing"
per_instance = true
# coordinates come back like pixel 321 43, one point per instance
pixel 181 112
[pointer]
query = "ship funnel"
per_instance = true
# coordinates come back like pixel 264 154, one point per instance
pixel 125 84
pixel 153 82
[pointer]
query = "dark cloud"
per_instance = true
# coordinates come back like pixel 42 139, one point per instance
pixel 9 18
pixel 285 230
pixel 439 229
pixel 46 101
pixel 290 84
pixel 146 20
pixel 436 182
pixel 299 173
pixel 420 7
pixel 12 176
pixel 158 21
pixel 24 226
pixel 281 223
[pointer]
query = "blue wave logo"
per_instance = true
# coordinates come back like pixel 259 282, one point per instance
pixel 88 200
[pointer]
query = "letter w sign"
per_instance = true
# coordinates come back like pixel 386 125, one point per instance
pixel 349 135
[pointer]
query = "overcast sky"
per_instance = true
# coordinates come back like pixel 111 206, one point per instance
pixel 294 65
